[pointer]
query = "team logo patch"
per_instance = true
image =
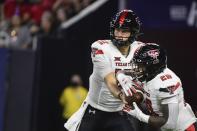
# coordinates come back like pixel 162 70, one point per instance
pixel 171 89
pixel 117 58
pixel 91 111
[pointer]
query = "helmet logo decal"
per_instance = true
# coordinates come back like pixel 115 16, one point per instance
pixel 153 53
pixel 122 18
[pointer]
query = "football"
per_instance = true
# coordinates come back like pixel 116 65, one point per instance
pixel 137 97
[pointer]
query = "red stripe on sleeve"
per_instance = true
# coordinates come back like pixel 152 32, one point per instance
pixel 191 128
pixel 99 52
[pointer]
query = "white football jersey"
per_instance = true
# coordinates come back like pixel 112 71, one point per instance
pixel 107 58
pixel 161 90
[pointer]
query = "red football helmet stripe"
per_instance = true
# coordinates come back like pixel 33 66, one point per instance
pixel 122 18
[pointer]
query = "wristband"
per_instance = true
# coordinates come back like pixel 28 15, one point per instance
pixel 143 117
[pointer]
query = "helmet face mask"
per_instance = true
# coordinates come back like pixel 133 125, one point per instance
pixel 123 37
pixel 125 19
pixel 138 71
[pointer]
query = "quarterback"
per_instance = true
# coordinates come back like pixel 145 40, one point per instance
pixel 163 92
pixel 102 109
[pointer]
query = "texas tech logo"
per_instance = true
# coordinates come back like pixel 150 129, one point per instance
pixel 153 53
pixel 117 58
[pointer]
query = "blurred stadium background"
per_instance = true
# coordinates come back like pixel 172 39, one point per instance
pixel 33 75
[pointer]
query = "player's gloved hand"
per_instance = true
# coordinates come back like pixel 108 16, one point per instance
pixel 137 84
pixel 126 83
pixel 136 112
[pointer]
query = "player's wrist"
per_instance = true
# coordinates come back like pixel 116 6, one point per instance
pixel 143 117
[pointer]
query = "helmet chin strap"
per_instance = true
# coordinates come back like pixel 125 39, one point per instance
pixel 119 43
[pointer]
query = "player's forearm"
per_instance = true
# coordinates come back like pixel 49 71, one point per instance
pixel 156 121
pixel 114 89
pixel 116 92
pixel 112 85
pixel 159 121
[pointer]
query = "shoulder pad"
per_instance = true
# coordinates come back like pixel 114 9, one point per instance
pixel 99 47
pixel 100 43
pixel 140 43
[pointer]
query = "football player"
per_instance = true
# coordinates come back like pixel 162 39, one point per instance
pixel 163 92
pixel 105 99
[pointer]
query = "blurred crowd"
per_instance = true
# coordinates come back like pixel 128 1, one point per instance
pixel 22 21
